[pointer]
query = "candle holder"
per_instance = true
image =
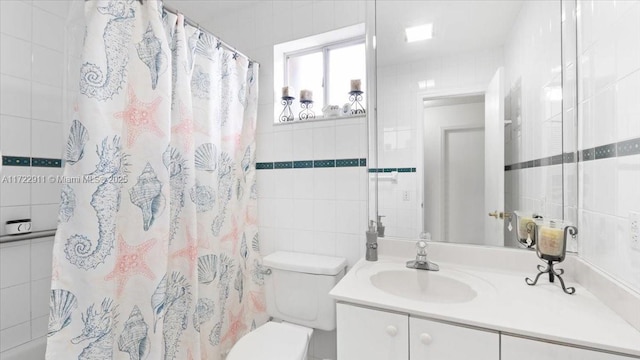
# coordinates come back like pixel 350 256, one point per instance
pixel 286 115
pixel 551 248
pixel 526 228
pixel 355 96
pixel 306 113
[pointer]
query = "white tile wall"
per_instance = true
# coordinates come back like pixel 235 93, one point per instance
pixel 31 103
pixel 25 283
pixel 609 82
pixel 317 210
pixel 31 112
pixel 15 135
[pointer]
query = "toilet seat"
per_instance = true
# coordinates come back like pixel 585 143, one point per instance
pixel 273 341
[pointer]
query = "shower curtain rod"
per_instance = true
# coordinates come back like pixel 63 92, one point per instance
pixel 196 25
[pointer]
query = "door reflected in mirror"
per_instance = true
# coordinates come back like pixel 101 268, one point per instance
pixel 469 117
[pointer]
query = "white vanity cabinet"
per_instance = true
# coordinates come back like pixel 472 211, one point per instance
pixel 515 348
pixel 431 340
pixel 367 334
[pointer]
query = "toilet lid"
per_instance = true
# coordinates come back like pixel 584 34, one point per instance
pixel 273 341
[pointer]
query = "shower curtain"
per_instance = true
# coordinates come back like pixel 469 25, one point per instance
pixel 156 255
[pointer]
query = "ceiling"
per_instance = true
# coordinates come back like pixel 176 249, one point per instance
pixel 201 11
pixel 458 26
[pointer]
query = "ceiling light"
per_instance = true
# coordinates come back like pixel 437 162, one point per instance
pixel 424 84
pixel 420 32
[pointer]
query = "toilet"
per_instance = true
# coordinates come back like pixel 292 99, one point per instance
pixel 297 289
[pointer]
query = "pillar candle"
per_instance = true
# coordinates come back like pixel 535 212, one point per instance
pixel 306 95
pixel 356 85
pixel 287 91
pixel 551 241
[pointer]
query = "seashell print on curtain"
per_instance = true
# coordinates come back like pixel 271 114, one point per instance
pixel 157 253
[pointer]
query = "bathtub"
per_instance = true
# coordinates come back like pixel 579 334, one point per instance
pixel 32 350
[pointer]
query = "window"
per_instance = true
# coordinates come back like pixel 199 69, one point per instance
pixel 327 71
pixel 323 63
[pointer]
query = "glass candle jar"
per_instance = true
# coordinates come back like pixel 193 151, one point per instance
pixel 551 240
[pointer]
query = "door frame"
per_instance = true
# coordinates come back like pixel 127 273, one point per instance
pixel 421 97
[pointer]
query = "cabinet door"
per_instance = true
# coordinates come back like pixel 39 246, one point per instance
pixel 514 348
pixel 365 334
pixel 431 340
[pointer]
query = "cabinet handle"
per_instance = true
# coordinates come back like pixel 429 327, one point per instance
pixel 425 338
pixel 392 330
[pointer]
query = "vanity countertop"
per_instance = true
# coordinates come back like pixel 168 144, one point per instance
pixel 504 303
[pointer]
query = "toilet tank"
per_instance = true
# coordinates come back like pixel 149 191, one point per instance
pixel 297 289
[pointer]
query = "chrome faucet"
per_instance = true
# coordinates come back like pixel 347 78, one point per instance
pixel 421 262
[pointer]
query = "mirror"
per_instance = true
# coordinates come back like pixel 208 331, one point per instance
pixel 469 118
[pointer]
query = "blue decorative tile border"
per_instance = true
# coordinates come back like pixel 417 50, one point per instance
pixel 264 166
pixel 43 162
pixel 619 149
pixel 283 165
pixel 28 161
pixel 324 163
pixel 347 162
pixel 389 170
pixel 16 161
pixel 307 164
pixel 304 164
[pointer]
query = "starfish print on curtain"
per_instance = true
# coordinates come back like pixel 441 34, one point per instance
pixel 139 117
pixel 185 129
pixel 237 325
pixel 167 233
pixel 130 261
pixel 233 236
pixel 189 252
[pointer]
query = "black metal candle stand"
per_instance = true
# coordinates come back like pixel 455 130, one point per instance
pixel 552 261
pixel 553 273
pixel 355 97
pixel 306 113
pixel 286 115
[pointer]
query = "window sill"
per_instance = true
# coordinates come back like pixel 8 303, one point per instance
pixel 320 118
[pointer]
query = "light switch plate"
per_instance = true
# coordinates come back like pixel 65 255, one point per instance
pixel 634 230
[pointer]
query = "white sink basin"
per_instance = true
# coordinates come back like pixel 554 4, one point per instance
pixel 423 285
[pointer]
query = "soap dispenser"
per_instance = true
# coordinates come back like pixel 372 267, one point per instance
pixel 380 226
pixel 372 242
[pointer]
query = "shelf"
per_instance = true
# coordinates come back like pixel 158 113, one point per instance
pixel 321 118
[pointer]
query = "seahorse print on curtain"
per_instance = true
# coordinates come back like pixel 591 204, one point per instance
pixel 225 188
pixel 226 267
pixel 98 329
pixel 193 43
pixel 112 169
pixel 226 75
pixel 176 165
pixel 117 35
pixel 171 302
pixel 156 255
